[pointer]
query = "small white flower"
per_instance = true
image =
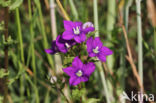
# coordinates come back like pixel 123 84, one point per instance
pixel 87 24
pixel 53 79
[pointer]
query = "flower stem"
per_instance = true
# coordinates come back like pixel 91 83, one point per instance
pixel 111 13
pixel 140 49
pixel 139 31
pixel 95 8
pixel 57 58
pixel 104 83
pixel 111 16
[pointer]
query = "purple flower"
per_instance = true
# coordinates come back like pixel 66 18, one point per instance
pixel 79 72
pixel 53 48
pixel 64 45
pixel 75 30
pixel 95 48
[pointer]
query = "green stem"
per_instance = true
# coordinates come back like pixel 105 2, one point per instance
pixel 19 34
pixel 111 16
pixel 32 39
pixel 32 49
pixel 95 8
pixel 73 9
pixel 140 49
pixel 110 26
pixel 139 31
pixel 45 42
pixel 104 83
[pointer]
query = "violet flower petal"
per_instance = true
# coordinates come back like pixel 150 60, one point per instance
pixel 80 38
pixel 77 39
pixel 67 35
pixel 49 51
pixel 88 68
pixel 74 80
pixel 106 51
pixel 77 23
pixel 69 71
pixel 97 42
pixel 89 29
pixel 53 48
pixel 68 24
pixel 83 37
pixel 77 63
pixel 89 44
pixel 102 56
pixel 60 42
pixel 84 79
pixel 91 54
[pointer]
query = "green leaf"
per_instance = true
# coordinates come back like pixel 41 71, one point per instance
pixel 1 99
pixel 1 25
pixel 16 4
pixel 76 93
pixel 4 3
pixel 67 61
pixel 146 45
pixel 92 100
pixel 3 73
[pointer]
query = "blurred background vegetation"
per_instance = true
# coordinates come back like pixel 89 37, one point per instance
pixel 31 28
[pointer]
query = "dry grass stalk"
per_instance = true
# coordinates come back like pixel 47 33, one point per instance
pixel 151 11
pixel 62 9
pixel 129 57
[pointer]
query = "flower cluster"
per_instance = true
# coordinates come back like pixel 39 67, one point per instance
pixel 76 33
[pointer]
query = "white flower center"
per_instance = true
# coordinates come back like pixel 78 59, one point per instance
pixel 96 50
pixel 79 73
pixel 76 30
pixel 67 45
